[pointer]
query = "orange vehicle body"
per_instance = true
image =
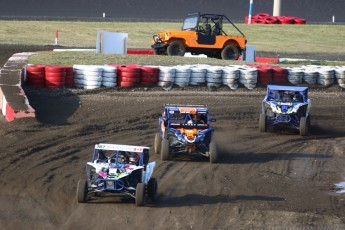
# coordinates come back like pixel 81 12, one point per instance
pixel 201 34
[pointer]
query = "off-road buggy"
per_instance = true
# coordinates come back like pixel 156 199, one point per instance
pixel 286 107
pixel 201 34
pixel 119 170
pixel 185 129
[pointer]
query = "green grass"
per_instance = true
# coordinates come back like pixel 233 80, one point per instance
pixel 271 38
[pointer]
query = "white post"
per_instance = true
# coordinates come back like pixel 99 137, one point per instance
pixel 333 19
pixel 250 11
pixel 56 37
pixel 277 8
pixel 103 15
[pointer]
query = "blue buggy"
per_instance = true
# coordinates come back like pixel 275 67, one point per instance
pixel 286 107
pixel 185 129
pixel 119 170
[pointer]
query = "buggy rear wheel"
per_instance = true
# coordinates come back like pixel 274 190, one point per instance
pixel 152 188
pixel 157 143
pixel 262 123
pixel 230 52
pixel 213 153
pixel 165 150
pixel 176 48
pixel 304 126
pixel 82 190
pixel 140 194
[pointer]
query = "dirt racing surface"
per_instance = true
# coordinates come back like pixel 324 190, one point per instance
pixel 263 180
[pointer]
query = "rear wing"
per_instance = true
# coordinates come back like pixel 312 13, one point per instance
pixel 185 105
pixel 127 148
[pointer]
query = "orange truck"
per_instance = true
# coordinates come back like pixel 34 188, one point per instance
pixel 201 34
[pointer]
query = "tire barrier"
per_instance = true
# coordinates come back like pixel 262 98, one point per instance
pixel 69 78
pixel 279 75
pixel 340 76
pixel 109 76
pixel 198 75
pixel 264 18
pixel 295 75
pixel 264 75
pixel 129 75
pixel 231 76
pixel 35 75
pixel 214 77
pixel 55 76
pixel 248 77
pixel 166 77
pixel 182 76
pixel 149 75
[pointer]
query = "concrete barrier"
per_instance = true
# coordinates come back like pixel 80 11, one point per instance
pixel 13 101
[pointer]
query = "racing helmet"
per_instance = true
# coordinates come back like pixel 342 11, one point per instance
pixel 133 158
pixel 297 97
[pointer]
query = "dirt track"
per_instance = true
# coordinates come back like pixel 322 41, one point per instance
pixel 264 179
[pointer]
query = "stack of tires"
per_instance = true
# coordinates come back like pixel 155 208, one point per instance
pixel 129 75
pixel 166 77
pixel 109 76
pixel 295 75
pixel 55 76
pixel 264 18
pixel 264 75
pixel 198 75
pixel 340 76
pixel 35 75
pixel 214 77
pixel 69 78
pixel 248 77
pixel 279 75
pixel 230 77
pixel 310 75
pixel 182 75
pixel 326 76
pixel 88 76
pixel 149 75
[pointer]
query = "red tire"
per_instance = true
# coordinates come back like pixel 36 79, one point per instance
pixel 55 69
pixel 132 68
pixel 130 74
pixel 149 69
pixel 272 20
pixel 300 21
pixel 35 75
pixel 55 74
pixel 55 79
pixel 68 70
pixel 127 84
pixel 54 84
pixel 148 83
pixel 35 82
pixel 149 75
pixel 128 79
pixel 148 80
pixel 35 68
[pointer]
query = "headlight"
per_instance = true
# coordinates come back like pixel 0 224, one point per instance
pixel 156 38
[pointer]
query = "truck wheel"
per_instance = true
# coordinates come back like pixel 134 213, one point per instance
pixel 82 190
pixel 176 48
pixel 140 194
pixel 157 144
pixel 262 123
pixel 165 150
pixel 230 52
pixel 213 153
pixel 152 188
pixel 303 126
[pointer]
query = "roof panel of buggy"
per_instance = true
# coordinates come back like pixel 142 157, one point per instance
pixel 190 109
pixel 287 88
pixel 115 147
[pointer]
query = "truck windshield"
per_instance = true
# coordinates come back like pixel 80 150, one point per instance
pixel 190 23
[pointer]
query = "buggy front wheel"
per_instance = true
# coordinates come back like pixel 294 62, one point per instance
pixel 304 126
pixel 165 150
pixel 262 123
pixel 140 194
pixel 152 188
pixel 213 153
pixel 157 143
pixel 82 190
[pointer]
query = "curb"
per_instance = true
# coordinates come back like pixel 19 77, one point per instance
pixel 13 101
